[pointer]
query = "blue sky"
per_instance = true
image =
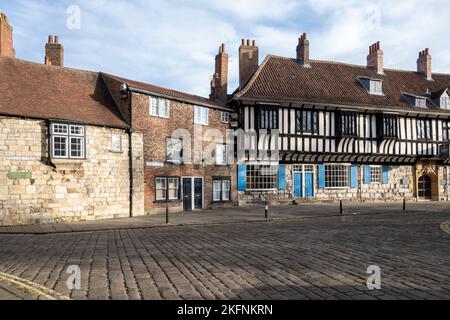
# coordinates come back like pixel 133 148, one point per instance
pixel 172 43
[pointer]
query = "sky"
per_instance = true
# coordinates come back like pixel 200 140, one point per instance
pixel 172 43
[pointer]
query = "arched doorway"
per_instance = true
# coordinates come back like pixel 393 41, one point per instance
pixel 424 188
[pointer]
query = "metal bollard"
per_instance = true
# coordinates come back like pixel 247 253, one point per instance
pixel 266 210
pixel 404 205
pixel 341 207
pixel 167 214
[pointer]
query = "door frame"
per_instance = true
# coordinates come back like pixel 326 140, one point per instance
pixel 303 174
pixel 193 191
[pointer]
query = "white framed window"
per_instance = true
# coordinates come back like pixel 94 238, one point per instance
pixel 225 117
pixel 221 154
pixel 337 176
pixel 201 116
pixel 174 149
pixel 421 102
pixel 221 189
pixel 167 188
pixel 116 143
pixel 262 177
pixel 67 141
pixel 174 188
pixel 375 174
pixel 159 107
pixel 376 87
pixel 161 189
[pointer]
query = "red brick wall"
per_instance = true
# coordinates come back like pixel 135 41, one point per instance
pixel 155 131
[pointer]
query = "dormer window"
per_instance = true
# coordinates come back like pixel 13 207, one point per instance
pixel 415 101
pixel 441 99
pixel 372 85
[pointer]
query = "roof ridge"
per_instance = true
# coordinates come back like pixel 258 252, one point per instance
pixel 354 65
pixel 256 74
pixel 119 78
pixel 43 65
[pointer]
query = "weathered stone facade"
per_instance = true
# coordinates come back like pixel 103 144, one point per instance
pixel 35 188
pixel 155 130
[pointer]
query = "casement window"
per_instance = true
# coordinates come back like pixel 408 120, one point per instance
pixel 201 116
pixel 375 174
pixel 424 129
pixel 348 123
pixel 445 102
pixel 67 141
pixel 221 189
pixel 221 154
pixel 421 102
pixel 337 176
pixel 225 117
pixel 167 188
pixel 159 107
pixel 446 131
pixel 390 126
pixel 376 87
pixel 262 177
pixel 268 118
pixel 174 150
pixel 307 122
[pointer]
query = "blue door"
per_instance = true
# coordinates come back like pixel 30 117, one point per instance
pixel 309 185
pixel 298 185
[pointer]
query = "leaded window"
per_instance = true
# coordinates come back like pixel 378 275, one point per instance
pixel 375 174
pixel 424 129
pixel 268 118
pixel 262 177
pixel 446 130
pixel 337 176
pixel 349 124
pixel 390 126
pixel 307 122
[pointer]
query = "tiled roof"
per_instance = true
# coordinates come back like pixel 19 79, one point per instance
pixel 160 91
pixel 281 79
pixel 38 91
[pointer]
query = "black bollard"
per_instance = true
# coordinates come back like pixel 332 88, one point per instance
pixel 404 205
pixel 167 214
pixel 341 207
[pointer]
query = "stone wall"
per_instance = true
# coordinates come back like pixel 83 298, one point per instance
pixel 37 189
pixel 393 191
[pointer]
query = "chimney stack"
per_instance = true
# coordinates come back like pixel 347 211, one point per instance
pixel 248 61
pixel 303 50
pixel 375 58
pixel 219 83
pixel 54 52
pixel 6 37
pixel 424 64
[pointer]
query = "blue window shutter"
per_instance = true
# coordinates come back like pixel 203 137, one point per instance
pixel 321 176
pixel 242 177
pixel 282 177
pixel 385 170
pixel 354 177
pixel 367 179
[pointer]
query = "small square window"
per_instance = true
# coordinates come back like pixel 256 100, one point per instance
pixel 76 147
pixel 225 117
pixel 116 143
pixel 67 141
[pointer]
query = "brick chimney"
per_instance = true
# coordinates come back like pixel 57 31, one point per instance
pixel 219 83
pixel 303 50
pixel 424 64
pixel 248 61
pixel 375 58
pixel 6 37
pixel 54 52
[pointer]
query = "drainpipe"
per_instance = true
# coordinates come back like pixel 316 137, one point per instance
pixel 446 179
pixel 130 147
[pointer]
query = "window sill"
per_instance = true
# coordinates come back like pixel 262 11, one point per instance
pixel 222 202
pixel 67 164
pixel 168 201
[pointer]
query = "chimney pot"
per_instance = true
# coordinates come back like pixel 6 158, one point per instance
pixel 57 39
pixel 243 42
pixel 254 43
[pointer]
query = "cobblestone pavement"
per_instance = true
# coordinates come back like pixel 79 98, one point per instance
pixel 322 258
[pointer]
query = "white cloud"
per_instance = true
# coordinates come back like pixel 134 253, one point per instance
pixel 173 42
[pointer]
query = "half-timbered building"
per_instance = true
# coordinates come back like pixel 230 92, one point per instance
pixel 342 131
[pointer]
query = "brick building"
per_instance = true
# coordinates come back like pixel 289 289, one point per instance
pixel 187 163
